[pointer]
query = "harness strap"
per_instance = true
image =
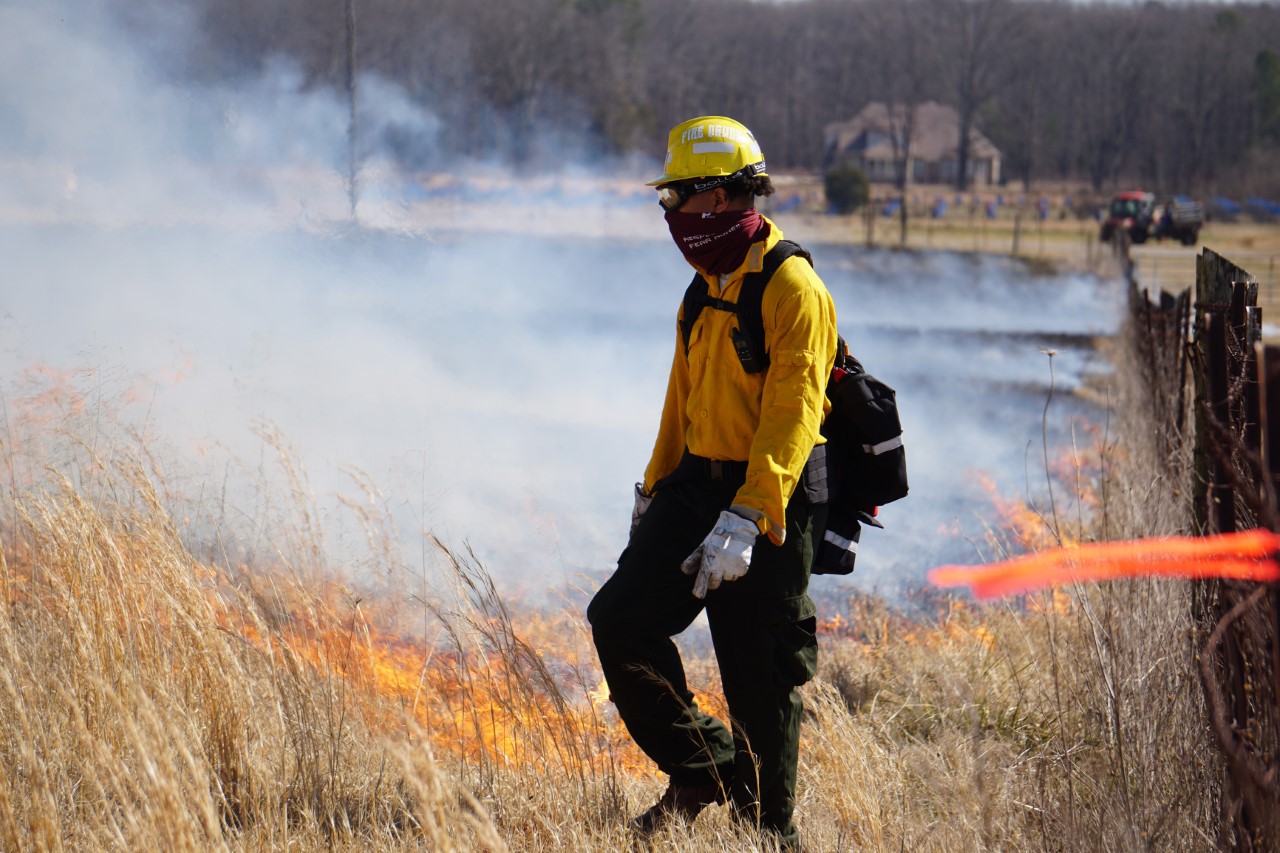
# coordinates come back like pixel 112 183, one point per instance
pixel 749 336
pixel 884 446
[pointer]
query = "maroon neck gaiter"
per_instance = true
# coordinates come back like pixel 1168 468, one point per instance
pixel 716 243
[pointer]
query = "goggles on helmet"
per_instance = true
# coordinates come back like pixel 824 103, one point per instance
pixel 673 196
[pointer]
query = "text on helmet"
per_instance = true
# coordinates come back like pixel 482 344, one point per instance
pixel 719 131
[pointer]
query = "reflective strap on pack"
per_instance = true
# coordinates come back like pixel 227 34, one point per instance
pixel 840 542
pixel 884 446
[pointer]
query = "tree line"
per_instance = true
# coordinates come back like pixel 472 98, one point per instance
pixel 1184 98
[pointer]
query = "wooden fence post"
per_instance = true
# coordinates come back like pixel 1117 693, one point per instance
pixel 1237 421
pixel 1214 277
pixel 1268 366
pixel 1220 509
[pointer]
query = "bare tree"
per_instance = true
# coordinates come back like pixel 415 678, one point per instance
pixel 352 126
pixel 1203 67
pixel 973 35
pixel 1024 112
pixel 907 62
pixel 1108 91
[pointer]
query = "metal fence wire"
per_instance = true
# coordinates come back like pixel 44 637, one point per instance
pixel 1236 386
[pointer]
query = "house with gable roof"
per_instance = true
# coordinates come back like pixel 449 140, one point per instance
pixel 873 141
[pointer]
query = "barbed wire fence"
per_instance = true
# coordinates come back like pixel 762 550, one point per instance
pixel 1211 347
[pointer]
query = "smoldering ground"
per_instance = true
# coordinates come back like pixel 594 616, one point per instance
pixel 490 348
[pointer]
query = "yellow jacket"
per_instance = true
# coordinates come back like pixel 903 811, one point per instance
pixel 770 419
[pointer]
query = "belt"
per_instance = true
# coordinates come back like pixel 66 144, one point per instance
pixel 693 466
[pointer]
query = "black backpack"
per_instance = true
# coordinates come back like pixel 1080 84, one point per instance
pixel 863 465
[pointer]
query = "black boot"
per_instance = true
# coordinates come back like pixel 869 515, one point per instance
pixel 682 801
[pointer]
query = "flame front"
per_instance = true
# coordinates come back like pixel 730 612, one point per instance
pixel 527 700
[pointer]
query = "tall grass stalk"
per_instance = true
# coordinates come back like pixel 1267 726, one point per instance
pixel 167 682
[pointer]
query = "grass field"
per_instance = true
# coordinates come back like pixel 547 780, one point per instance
pixel 237 690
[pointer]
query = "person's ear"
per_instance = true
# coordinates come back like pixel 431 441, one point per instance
pixel 720 200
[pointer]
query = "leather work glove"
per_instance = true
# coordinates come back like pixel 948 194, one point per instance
pixel 641 504
pixel 725 555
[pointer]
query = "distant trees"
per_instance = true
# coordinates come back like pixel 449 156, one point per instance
pixel 1024 119
pixel 1180 95
pixel 1111 93
pixel 976 38
pixel 1265 92
pixel 906 62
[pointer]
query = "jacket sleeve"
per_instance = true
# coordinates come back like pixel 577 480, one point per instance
pixel 800 334
pixel 669 446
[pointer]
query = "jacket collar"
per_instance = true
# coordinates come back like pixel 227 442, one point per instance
pixel 754 262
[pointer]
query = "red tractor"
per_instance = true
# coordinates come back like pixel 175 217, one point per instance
pixel 1136 213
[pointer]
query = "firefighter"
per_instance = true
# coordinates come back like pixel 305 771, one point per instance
pixel 719 521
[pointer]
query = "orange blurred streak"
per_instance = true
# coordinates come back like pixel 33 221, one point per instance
pixel 1250 555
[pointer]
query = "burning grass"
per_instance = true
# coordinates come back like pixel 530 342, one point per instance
pixel 164 690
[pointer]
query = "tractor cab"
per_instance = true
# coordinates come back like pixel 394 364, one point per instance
pixel 1133 212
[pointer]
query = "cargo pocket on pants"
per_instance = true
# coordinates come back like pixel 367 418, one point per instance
pixel 797 645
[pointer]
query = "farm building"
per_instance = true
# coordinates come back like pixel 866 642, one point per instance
pixel 873 141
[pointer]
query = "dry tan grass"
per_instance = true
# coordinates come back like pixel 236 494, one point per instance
pixel 153 700
pixel 148 702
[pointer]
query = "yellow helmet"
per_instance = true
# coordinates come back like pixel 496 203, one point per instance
pixel 711 146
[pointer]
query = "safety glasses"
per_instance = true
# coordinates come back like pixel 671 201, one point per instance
pixel 673 196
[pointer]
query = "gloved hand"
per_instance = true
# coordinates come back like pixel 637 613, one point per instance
pixel 641 504
pixel 725 555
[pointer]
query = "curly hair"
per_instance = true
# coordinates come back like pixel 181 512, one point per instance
pixel 748 189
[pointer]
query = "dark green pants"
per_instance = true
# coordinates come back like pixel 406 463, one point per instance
pixel 763 629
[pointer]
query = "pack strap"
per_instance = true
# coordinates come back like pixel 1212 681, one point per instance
pixel 884 446
pixel 749 340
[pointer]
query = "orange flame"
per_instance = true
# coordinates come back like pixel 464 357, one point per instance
pixel 1251 555
pixel 512 706
pixel 527 691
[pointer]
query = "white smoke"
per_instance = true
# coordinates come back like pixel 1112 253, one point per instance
pixel 188 244
pixel 492 350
